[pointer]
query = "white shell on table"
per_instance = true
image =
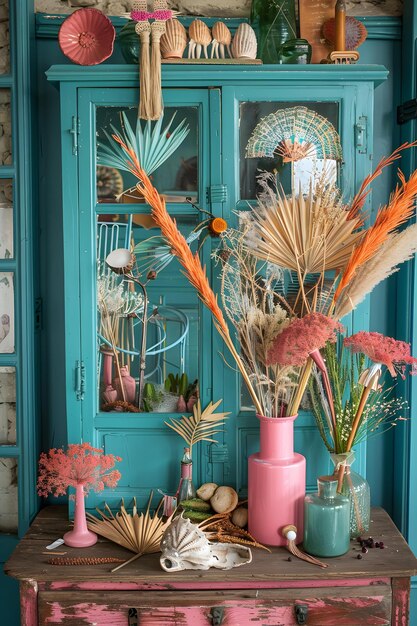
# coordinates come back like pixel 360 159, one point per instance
pixel 174 40
pixel 244 45
pixel 185 546
pixel 199 32
pixel 221 33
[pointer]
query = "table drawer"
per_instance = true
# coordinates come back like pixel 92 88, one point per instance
pixel 327 607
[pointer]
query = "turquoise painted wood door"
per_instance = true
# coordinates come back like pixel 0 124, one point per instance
pixel 150 451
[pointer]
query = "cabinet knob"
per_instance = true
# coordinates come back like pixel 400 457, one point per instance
pixel 301 613
pixel 216 615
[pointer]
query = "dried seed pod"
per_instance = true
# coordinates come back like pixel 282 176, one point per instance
pixel 174 40
pixel 83 560
pixel 224 500
pixel 206 491
pixel 240 517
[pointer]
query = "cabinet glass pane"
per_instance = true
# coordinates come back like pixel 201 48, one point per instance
pixel 176 177
pixel 6 218
pixel 6 312
pixel 8 495
pixel 4 38
pixel 172 327
pixel 251 113
pixel 5 128
pixel 7 405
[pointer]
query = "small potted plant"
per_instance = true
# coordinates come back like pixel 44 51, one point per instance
pixel 82 467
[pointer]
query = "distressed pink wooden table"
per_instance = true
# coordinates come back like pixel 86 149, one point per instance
pixel 271 591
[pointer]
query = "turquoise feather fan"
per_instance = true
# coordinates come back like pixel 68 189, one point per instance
pixel 295 134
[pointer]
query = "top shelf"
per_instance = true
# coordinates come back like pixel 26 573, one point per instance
pixel 219 75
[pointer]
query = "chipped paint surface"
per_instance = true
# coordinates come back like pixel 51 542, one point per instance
pixel 29 603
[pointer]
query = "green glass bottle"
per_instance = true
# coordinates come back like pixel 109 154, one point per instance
pixel 275 22
pixel 326 520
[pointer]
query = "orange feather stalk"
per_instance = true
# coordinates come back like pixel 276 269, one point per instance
pixel 388 219
pixel 191 263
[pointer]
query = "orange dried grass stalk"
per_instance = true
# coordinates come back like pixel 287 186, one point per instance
pixel 400 208
pixel 191 263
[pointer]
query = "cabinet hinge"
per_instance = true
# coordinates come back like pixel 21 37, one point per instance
pixel 407 111
pixel 38 314
pixel 80 380
pixel 361 135
pixel 217 193
pixel 218 453
pixel 75 131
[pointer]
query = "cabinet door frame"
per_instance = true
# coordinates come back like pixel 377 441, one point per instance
pixel 355 105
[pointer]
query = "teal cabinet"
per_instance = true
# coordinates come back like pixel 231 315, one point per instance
pixel 221 105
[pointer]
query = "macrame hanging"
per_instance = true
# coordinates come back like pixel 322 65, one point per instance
pixel 150 93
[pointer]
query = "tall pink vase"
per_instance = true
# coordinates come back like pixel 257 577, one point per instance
pixel 80 536
pixel 276 482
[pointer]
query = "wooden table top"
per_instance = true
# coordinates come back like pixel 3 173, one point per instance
pixel 28 562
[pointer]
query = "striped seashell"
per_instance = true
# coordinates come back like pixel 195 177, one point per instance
pixel 174 40
pixel 199 32
pixel 221 33
pixel 244 45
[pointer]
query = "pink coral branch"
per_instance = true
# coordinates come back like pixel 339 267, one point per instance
pixel 81 464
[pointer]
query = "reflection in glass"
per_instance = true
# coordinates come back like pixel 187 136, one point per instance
pixel 4 38
pixel 6 218
pixel 170 146
pixel 7 405
pixel 5 127
pixel 251 113
pixel 6 313
pixel 8 495
pixel 171 356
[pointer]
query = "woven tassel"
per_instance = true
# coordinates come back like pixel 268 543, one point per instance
pixel 290 533
pixel 143 29
pixel 158 29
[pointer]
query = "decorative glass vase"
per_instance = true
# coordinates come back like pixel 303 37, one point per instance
pixel 129 42
pixel 186 489
pixel 296 52
pixel 326 520
pixel 276 482
pixel 357 489
pixel 80 536
pixel 275 22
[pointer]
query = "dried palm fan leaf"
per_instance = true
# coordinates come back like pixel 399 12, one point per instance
pixel 295 134
pixel 139 533
pixel 200 426
pixel 306 234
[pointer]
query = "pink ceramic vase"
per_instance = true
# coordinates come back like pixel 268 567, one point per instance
pixel 80 536
pixel 129 385
pixel 276 482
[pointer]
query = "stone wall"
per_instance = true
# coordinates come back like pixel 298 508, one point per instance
pixel 208 8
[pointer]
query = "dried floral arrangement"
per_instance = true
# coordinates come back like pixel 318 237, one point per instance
pixel 319 248
pixel 80 464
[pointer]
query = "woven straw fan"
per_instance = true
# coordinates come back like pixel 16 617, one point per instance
pixel 139 533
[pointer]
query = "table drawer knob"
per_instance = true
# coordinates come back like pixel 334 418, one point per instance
pixel 216 615
pixel 301 613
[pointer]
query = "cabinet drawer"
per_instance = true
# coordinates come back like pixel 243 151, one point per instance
pixel 327 607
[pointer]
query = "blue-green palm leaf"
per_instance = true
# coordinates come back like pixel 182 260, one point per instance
pixel 152 144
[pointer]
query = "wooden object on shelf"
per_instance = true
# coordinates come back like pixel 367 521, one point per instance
pixel 347 57
pixel 373 589
pixel 313 14
pixel 340 26
pixel 241 61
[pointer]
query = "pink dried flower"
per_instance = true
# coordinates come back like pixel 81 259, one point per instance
pixel 386 350
pixel 81 464
pixel 303 336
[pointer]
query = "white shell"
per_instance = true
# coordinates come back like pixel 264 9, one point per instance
pixel 185 546
pixel 174 40
pixel 244 45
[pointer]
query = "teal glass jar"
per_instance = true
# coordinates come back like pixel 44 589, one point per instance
pixel 326 520
pixel 129 42
pixel 275 22
pixel 357 489
pixel 296 52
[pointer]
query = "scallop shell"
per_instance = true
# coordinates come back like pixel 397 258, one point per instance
pixel 174 40
pixel 199 32
pixel 185 546
pixel 244 43
pixel 221 33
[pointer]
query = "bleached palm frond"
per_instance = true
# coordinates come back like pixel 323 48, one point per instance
pixel 140 533
pixel 201 425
